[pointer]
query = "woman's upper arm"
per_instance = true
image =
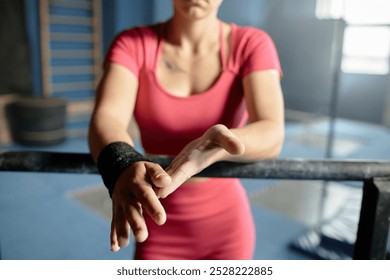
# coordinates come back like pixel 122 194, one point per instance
pixel 116 93
pixel 263 95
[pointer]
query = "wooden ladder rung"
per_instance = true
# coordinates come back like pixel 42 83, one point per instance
pixel 80 107
pixel 51 14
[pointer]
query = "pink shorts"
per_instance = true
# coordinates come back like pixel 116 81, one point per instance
pixel 206 220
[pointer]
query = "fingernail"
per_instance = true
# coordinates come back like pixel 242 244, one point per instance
pixel 115 248
pixel 140 235
pixel 163 179
pixel 158 218
pixel 160 175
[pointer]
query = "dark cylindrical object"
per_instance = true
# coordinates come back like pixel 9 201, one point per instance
pixel 37 121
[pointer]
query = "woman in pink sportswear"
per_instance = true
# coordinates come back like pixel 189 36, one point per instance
pixel 202 91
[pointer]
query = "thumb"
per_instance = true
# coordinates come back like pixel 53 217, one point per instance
pixel 158 175
pixel 229 141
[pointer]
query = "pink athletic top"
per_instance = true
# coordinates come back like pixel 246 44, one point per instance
pixel 167 122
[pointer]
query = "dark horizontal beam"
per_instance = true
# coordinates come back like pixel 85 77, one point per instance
pixel 300 169
pixel 372 227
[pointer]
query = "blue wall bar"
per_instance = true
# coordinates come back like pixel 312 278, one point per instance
pixel 33 38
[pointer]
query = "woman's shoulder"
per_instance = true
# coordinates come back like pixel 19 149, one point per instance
pixel 243 32
pixel 248 39
pixel 253 49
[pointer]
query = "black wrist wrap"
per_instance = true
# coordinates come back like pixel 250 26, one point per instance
pixel 113 160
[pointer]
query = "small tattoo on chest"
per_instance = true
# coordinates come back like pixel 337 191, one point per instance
pixel 173 67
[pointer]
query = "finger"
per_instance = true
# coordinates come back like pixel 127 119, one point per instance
pixel 113 238
pixel 158 175
pixel 120 230
pixel 149 200
pixel 133 213
pixel 179 174
pixel 230 142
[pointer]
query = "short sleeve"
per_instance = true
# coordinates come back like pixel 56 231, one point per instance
pixel 126 49
pixel 258 52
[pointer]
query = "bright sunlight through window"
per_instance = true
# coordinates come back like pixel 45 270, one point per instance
pixel 366 47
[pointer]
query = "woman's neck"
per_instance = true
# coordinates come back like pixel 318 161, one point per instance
pixel 195 36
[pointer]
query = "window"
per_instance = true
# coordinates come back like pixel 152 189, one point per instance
pixel 366 47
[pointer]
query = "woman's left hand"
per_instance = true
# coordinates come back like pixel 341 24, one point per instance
pixel 217 142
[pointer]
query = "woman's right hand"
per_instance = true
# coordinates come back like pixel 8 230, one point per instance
pixel 135 191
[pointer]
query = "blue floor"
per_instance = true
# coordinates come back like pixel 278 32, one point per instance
pixel 39 220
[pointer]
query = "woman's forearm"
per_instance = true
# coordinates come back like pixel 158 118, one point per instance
pixel 105 129
pixel 262 139
pixel 115 99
